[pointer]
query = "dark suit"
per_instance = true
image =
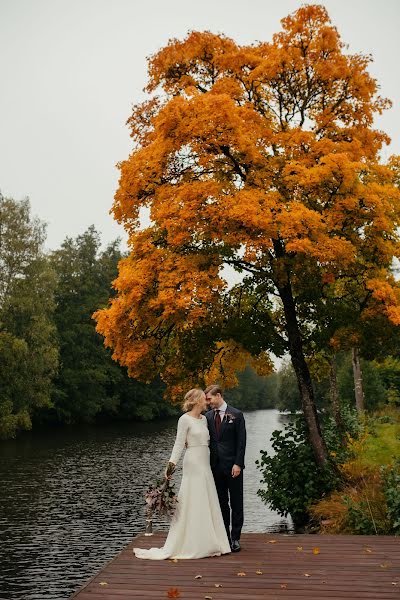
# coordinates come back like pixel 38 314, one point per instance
pixel 225 451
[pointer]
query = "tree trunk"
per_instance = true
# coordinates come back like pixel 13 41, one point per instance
pixel 358 386
pixel 335 400
pixel 297 356
pixel 303 376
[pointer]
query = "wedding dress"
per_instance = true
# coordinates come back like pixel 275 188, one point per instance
pixel 197 528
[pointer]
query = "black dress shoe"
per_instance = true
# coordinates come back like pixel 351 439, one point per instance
pixel 235 546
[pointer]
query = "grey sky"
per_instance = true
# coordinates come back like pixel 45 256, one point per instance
pixel 71 70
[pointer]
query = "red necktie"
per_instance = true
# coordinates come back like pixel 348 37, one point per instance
pixel 217 422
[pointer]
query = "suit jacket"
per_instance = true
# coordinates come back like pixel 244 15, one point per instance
pixel 229 449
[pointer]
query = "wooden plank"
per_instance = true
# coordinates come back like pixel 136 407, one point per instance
pixel 355 567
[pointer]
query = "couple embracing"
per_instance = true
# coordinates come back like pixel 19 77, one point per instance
pixel 209 516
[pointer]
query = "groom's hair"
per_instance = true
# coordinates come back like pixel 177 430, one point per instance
pixel 213 390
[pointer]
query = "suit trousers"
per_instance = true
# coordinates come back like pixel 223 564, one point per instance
pixel 230 495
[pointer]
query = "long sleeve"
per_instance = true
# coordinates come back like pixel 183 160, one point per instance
pixel 240 441
pixel 183 426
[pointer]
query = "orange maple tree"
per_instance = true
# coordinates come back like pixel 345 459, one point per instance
pixel 263 158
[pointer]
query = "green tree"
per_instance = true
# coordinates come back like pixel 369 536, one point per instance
pixel 89 383
pixel 288 395
pixel 253 391
pixel 86 372
pixel 373 384
pixel 389 372
pixel 287 391
pixel 28 347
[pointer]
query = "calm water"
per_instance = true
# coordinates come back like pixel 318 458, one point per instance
pixel 71 499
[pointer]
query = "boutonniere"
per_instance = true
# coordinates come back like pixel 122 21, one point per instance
pixel 229 417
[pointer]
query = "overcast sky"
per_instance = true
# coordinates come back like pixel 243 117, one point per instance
pixel 71 70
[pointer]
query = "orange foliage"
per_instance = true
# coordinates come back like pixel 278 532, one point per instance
pixel 259 157
pixel 173 593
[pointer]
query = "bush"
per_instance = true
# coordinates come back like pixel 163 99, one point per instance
pixel 353 428
pixel 368 499
pixel 358 507
pixel 292 477
pixel 366 508
pixel 391 490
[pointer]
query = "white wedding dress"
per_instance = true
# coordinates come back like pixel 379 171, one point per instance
pixel 197 528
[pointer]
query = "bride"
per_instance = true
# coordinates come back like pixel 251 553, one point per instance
pixel 197 528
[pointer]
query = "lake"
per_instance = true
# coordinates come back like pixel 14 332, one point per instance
pixel 72 498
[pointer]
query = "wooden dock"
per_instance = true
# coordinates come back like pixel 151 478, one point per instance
pixel 268 567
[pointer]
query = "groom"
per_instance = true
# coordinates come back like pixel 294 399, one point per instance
pixel 227 447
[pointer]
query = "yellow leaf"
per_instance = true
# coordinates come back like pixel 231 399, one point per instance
pixel 367 550
pixel 307 575
pixel 103 583
pixel 173 593
pixel 385 565
pixel 299 548
pixel 271 541
pixel 241 574
pixel 315 550
pixel 259 572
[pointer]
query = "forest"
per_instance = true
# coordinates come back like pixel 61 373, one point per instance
pixel 55 368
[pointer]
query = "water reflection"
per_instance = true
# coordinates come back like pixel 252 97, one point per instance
pixel 71 499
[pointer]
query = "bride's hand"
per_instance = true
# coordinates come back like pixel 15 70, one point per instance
pixel 169 470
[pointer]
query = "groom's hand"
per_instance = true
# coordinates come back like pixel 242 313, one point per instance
pixel 236 470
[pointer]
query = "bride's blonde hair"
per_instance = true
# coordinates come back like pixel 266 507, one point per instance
pixel 191 399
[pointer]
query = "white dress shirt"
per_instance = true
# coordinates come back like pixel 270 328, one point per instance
pixel 222 410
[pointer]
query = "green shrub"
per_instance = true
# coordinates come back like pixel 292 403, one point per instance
pixel 333 437
pixel 367 511
pixel 382 419
pixel 292 477
pixel 391 489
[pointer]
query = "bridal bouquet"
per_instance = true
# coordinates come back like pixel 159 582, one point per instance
pixel 161 498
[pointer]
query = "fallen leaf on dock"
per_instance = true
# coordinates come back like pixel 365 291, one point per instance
pixel 299 548
pixel 241 574
pixel 271 542
pixel 283 586
pixel 173 593
pixel 307 575
pixel 103 583
pixel 207 597
pixel 199 577
pixel 315 550
pixel 385 565
pixel 217 585
pixel 259 572
pixel 367 550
